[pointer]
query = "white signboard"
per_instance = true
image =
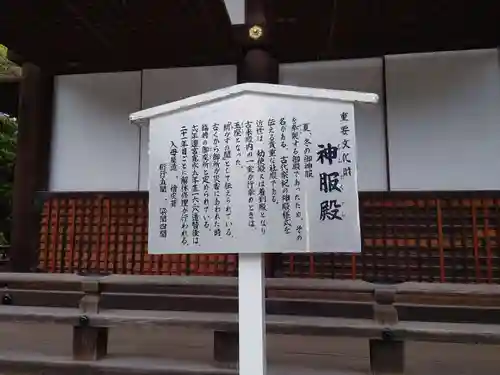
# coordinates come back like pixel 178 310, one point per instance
pixel 250 169
pixel 254 172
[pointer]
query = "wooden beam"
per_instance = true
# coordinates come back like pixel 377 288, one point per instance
pixel 32 164
pixel 255 12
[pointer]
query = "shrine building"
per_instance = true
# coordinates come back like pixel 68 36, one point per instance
pixel 428 176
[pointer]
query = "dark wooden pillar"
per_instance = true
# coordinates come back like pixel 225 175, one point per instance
pixel 387 357
pixel 32 164
pixel 258 65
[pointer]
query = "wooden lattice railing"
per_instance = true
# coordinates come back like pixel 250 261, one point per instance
pixel 418 236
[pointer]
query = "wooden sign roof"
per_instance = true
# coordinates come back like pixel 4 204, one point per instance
pixel 291 92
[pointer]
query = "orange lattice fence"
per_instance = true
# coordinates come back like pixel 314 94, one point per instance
pixel 418 236
pixel 107 233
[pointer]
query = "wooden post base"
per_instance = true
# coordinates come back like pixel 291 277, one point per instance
pixel 89 343
pixel 226 346
pixel 387 357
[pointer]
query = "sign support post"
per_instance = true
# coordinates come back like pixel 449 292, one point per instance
pixel 252 314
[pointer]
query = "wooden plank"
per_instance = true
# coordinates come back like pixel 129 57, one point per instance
pixel 162 284
pixel 278 306
pixel 339 290
pixel 128 282
pixel 448 332
pixel 43 281
pixel 212 321
pixel 49 315
pixel 277 324
pixel 176 284
pixel 197 303
pixel 451 314
pixel 212 303
pixel 448 289
pixel 44 298
pixel 41 364
pixel 176 302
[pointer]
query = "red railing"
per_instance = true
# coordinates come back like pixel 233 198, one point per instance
pixel 418 236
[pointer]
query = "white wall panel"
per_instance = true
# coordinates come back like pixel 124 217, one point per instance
pixel 444 120
pixel 161 86
pixel 94 147
pixel 358 75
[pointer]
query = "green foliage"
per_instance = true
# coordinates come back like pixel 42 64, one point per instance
pixel 4 62
pixel 8 145
pixel 8 139
pixel 7 67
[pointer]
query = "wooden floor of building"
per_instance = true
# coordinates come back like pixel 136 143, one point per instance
pixel 287 355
